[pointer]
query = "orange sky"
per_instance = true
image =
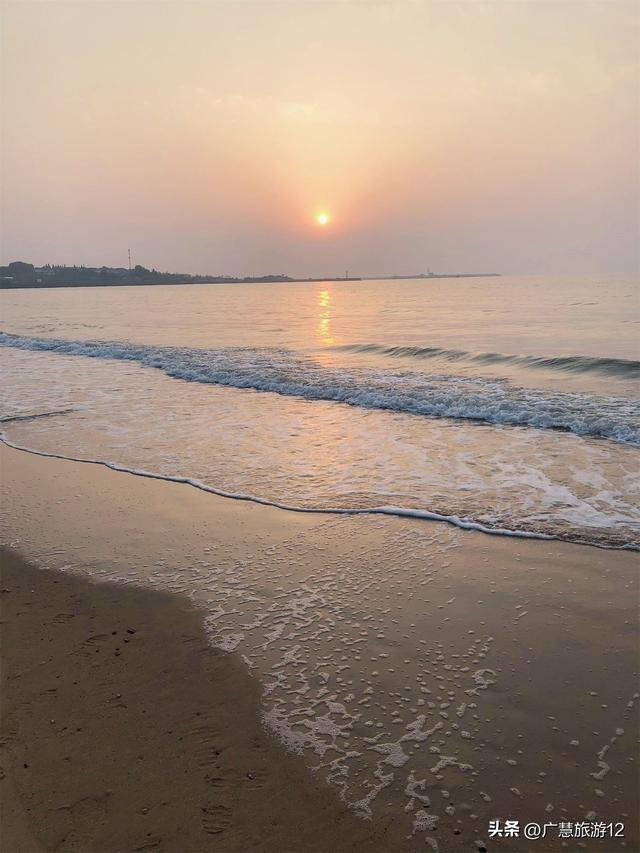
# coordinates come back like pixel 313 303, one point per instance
pixel 209 135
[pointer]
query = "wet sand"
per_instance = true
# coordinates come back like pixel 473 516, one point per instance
pixel 436 679
pixel 123 730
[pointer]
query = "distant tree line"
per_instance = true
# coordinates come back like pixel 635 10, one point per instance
pixel 19 274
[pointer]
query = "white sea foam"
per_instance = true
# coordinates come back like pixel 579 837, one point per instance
pixel 462 523
pixel 390 510
pixel 282 372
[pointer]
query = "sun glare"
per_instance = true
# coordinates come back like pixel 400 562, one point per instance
pixel 322 218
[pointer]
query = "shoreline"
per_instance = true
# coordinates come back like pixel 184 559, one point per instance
pixel 208 280
pixel 393 511
pixel 548 627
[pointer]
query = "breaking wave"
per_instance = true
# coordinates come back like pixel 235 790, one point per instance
pixel 621 367
pixel 481 399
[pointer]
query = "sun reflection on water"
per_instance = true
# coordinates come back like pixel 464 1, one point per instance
pixel 324 331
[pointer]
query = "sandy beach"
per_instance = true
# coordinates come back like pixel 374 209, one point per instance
pixel 319 426
pixel 117 687
pixel 123 730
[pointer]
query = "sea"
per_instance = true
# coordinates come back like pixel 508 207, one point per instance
pixel 438 675
pixel 505 404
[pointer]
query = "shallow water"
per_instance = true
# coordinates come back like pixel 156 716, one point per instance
pixel 504 402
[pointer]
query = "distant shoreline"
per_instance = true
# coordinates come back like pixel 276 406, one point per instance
pixel 181 281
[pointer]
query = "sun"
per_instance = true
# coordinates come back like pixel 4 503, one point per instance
pixel 323 218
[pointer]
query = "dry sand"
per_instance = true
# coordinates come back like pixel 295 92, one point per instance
pixel 562 658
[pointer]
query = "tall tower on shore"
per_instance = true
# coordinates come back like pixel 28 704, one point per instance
pixel 129 252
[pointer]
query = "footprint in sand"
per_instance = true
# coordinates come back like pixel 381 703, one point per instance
pixel 91 644
pixel 207 750
pixel 229 781
pixel 255 779
pixel 149 844
pixel 10 736
pixel 205 730
pixel 215 819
